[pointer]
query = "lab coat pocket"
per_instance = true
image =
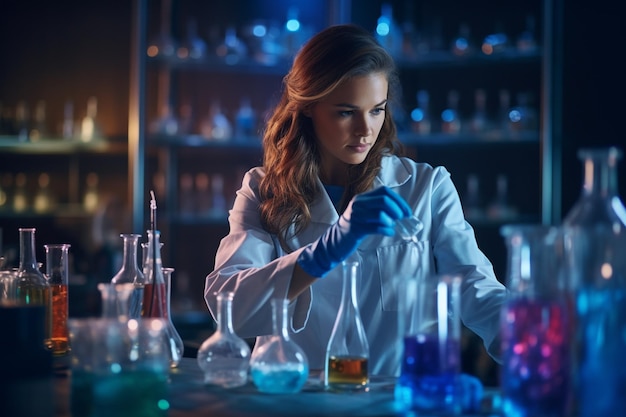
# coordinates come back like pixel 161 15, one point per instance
pixel 400 262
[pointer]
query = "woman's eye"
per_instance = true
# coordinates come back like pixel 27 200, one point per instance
pixel 378 110
pixel 346 113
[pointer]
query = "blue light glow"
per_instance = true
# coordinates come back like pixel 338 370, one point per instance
pixel 383 28
pixel 259 31
pixel 292 25
pixel 417 115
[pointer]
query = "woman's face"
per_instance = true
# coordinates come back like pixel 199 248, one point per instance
pixel 347 124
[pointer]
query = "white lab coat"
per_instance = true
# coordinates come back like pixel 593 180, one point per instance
pixel 250 262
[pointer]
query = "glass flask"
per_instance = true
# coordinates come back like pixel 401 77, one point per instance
pixel 536 324
pixel 347 353
pixel 32 288
pixel 115 300
pixel 130 273
pixel 57 274
pixel 599 202
pixel 279 366
pixel 595 240
pixel 176 344
pixel 156 301
pixel 224 357
pixel 409 227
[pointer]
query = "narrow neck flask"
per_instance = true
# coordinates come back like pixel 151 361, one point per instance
pixel 224 357
pixel 58 275
pixel 279 365
pixel 599 203
pixel 32 287
pixel 347 353
pixel 175 341
pixel 155 292
pixel 115 300
pixel 130 273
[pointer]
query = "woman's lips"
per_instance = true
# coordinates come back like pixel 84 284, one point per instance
pixel 359 147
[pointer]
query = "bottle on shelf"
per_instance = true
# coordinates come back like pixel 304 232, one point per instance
pixel 387 31
pixel 461 45
pixel 20 194
pixel 43 200
pixel 39 129
pixel 500 207
pixel 67 128
pixel 479 122
pixel 420 116
pixel 224 357
pixel 245 120
pixel 166 123
pixel 91 196
pixel 216 125
pixel 193 47
pixel 89 127
pixel 523 117
pixel 504 107
pixel 218 199
pixel 22 121
pixel 186 200
pixel 472 200
pixel 202 194
pixel 496 42
pixel 231 50
pixel 450 119
pixel 527 40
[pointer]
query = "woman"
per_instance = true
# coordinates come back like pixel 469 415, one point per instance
pixel 332 186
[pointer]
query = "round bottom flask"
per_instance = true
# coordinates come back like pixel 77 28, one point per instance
pixel 279 366
pixel 224 357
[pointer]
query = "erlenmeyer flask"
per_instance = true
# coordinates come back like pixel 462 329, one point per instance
pixel 599 202
pixel 115 300
pixel 156 295
pixel 175 342
pixel 224 357
pixel 347 353
pixel 130 273
pixel 279 366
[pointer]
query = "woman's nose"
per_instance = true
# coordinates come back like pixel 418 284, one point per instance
pixel 362 127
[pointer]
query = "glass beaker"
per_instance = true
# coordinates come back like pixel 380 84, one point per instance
pixel 57 274
pixel 599 202
pixel 431 364
pixel 347 352
pixel 224 357
pixel 536 324
pixel 279 366
pixel 32 288
pixel 130 273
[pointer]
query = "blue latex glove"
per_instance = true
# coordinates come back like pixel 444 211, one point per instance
pixel 373 212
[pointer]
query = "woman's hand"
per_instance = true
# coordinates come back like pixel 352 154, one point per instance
pixel 373 212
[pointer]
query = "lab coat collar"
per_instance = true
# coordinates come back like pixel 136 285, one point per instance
pixel 393 172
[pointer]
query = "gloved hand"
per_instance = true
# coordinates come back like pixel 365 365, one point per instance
pixel 373 212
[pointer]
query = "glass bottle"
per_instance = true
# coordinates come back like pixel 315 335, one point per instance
pixel 224 357
pixel 347 353
pixel 32 287
pixel 57 274
pixel 450 119
pixel 595 238
pixel 156 295
pixel 420 116
pixel 176 344
pixel 115 300
pixel 130 273
pixel 279 366
pixel 599 202
pixel 536 324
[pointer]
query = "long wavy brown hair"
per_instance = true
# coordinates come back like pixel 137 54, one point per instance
pixel 291 158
